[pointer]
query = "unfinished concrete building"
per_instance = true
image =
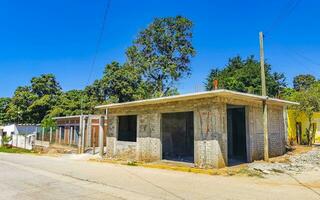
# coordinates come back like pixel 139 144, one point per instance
pixel 78 130
pixel 210 129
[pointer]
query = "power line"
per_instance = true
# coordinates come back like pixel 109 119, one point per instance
pixel 103 25
pixel 298 55
pixel 286 10
pixel 97 48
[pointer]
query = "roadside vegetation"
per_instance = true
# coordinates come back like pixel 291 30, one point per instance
pixel 157 59
pixel 8 149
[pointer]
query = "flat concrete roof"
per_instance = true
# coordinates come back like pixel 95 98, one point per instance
pixel 198 95
pixel 75 116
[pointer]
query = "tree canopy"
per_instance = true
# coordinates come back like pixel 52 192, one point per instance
pixel 303 81
pixel 162 53
pixel 4 105
pixel 309 100
pixel 243 75
pixel 122 83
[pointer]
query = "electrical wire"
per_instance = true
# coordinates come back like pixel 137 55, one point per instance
pixel 97 48
pixel 286 10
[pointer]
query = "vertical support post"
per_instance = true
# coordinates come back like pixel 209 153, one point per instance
pixel 89 132
pixel 57 135
pixel 264 103
pixel 50 137
pixel 60 132
pixel 80 133
pixel 94 141
pixel 71 135
pixel 83 142
pixel 101 135
pixel 285 121
pixel 42 136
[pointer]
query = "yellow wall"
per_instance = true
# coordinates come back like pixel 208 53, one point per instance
pixel 295 116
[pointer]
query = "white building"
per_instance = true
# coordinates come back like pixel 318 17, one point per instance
pixel 23 135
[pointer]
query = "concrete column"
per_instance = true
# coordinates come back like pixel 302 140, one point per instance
pixel 50 137
pixel 57 135
pixel 80 133
pixel 83 142
pixel 285 126
pixel 42 136
pixel 94 141
pixel 89 132
pixel 60 130
pixel 101 134
pixel 70 135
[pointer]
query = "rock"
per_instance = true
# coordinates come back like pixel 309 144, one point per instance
pixel 298 163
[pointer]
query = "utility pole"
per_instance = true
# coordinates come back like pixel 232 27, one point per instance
pixel 264 102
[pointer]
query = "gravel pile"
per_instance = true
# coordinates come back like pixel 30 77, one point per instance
pixel 297 163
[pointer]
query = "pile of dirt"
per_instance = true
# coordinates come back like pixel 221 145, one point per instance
pixel 56 150
pixel 297 163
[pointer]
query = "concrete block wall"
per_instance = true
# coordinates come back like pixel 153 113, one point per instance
pixel 149 137
pixel 276 129
pixel 210 135
pixel 210 130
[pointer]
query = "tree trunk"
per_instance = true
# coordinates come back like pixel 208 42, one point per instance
pixel 309 132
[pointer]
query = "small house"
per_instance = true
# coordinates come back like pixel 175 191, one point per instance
pixel 22 135
pixel 210 129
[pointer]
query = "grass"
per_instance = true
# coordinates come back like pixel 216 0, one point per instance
pixel 132 163
pixel 14 150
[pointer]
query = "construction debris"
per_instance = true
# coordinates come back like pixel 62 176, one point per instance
pixel 308 161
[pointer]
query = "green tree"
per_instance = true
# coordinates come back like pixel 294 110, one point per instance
pixel 41 107
pixel 162 53
pixel 309 100
pixel 18 111
pixel 30 104
pixel 96 91
pixel 46 84
pixel 244 76
pixel 122 83
pixel 4 105
pixel 73 102
pixel 303 82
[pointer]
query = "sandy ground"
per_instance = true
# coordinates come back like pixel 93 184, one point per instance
pixel 41 177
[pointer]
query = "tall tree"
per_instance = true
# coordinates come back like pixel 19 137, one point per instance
pixel 73 102
pixel 46 84
pixel 162 52
pixel 303 81
pixel 18 111
pixel 243 75
pixel 122 83
pixel 4 105
pixel 96 91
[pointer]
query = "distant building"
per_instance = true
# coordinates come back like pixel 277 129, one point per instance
pixel 298 124
pixel 69 130
pixel 22 135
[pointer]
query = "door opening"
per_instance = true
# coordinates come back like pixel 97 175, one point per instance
pixel 178 136
pixel 236 125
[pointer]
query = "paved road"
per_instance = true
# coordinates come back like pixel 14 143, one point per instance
pixel 40 177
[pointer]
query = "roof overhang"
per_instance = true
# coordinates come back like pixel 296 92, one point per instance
pixel 199 95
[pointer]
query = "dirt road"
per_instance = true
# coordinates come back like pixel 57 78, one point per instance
pixel 41 177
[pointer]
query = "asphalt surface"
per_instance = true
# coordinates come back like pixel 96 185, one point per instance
pixel 41 177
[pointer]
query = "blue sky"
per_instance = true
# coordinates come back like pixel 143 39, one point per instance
pixel 60 36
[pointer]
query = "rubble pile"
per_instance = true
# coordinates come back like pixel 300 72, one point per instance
pixel 297 164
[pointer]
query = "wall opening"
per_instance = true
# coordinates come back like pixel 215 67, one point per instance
pixel 236 125
pixel 178 136
pixel 127 129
